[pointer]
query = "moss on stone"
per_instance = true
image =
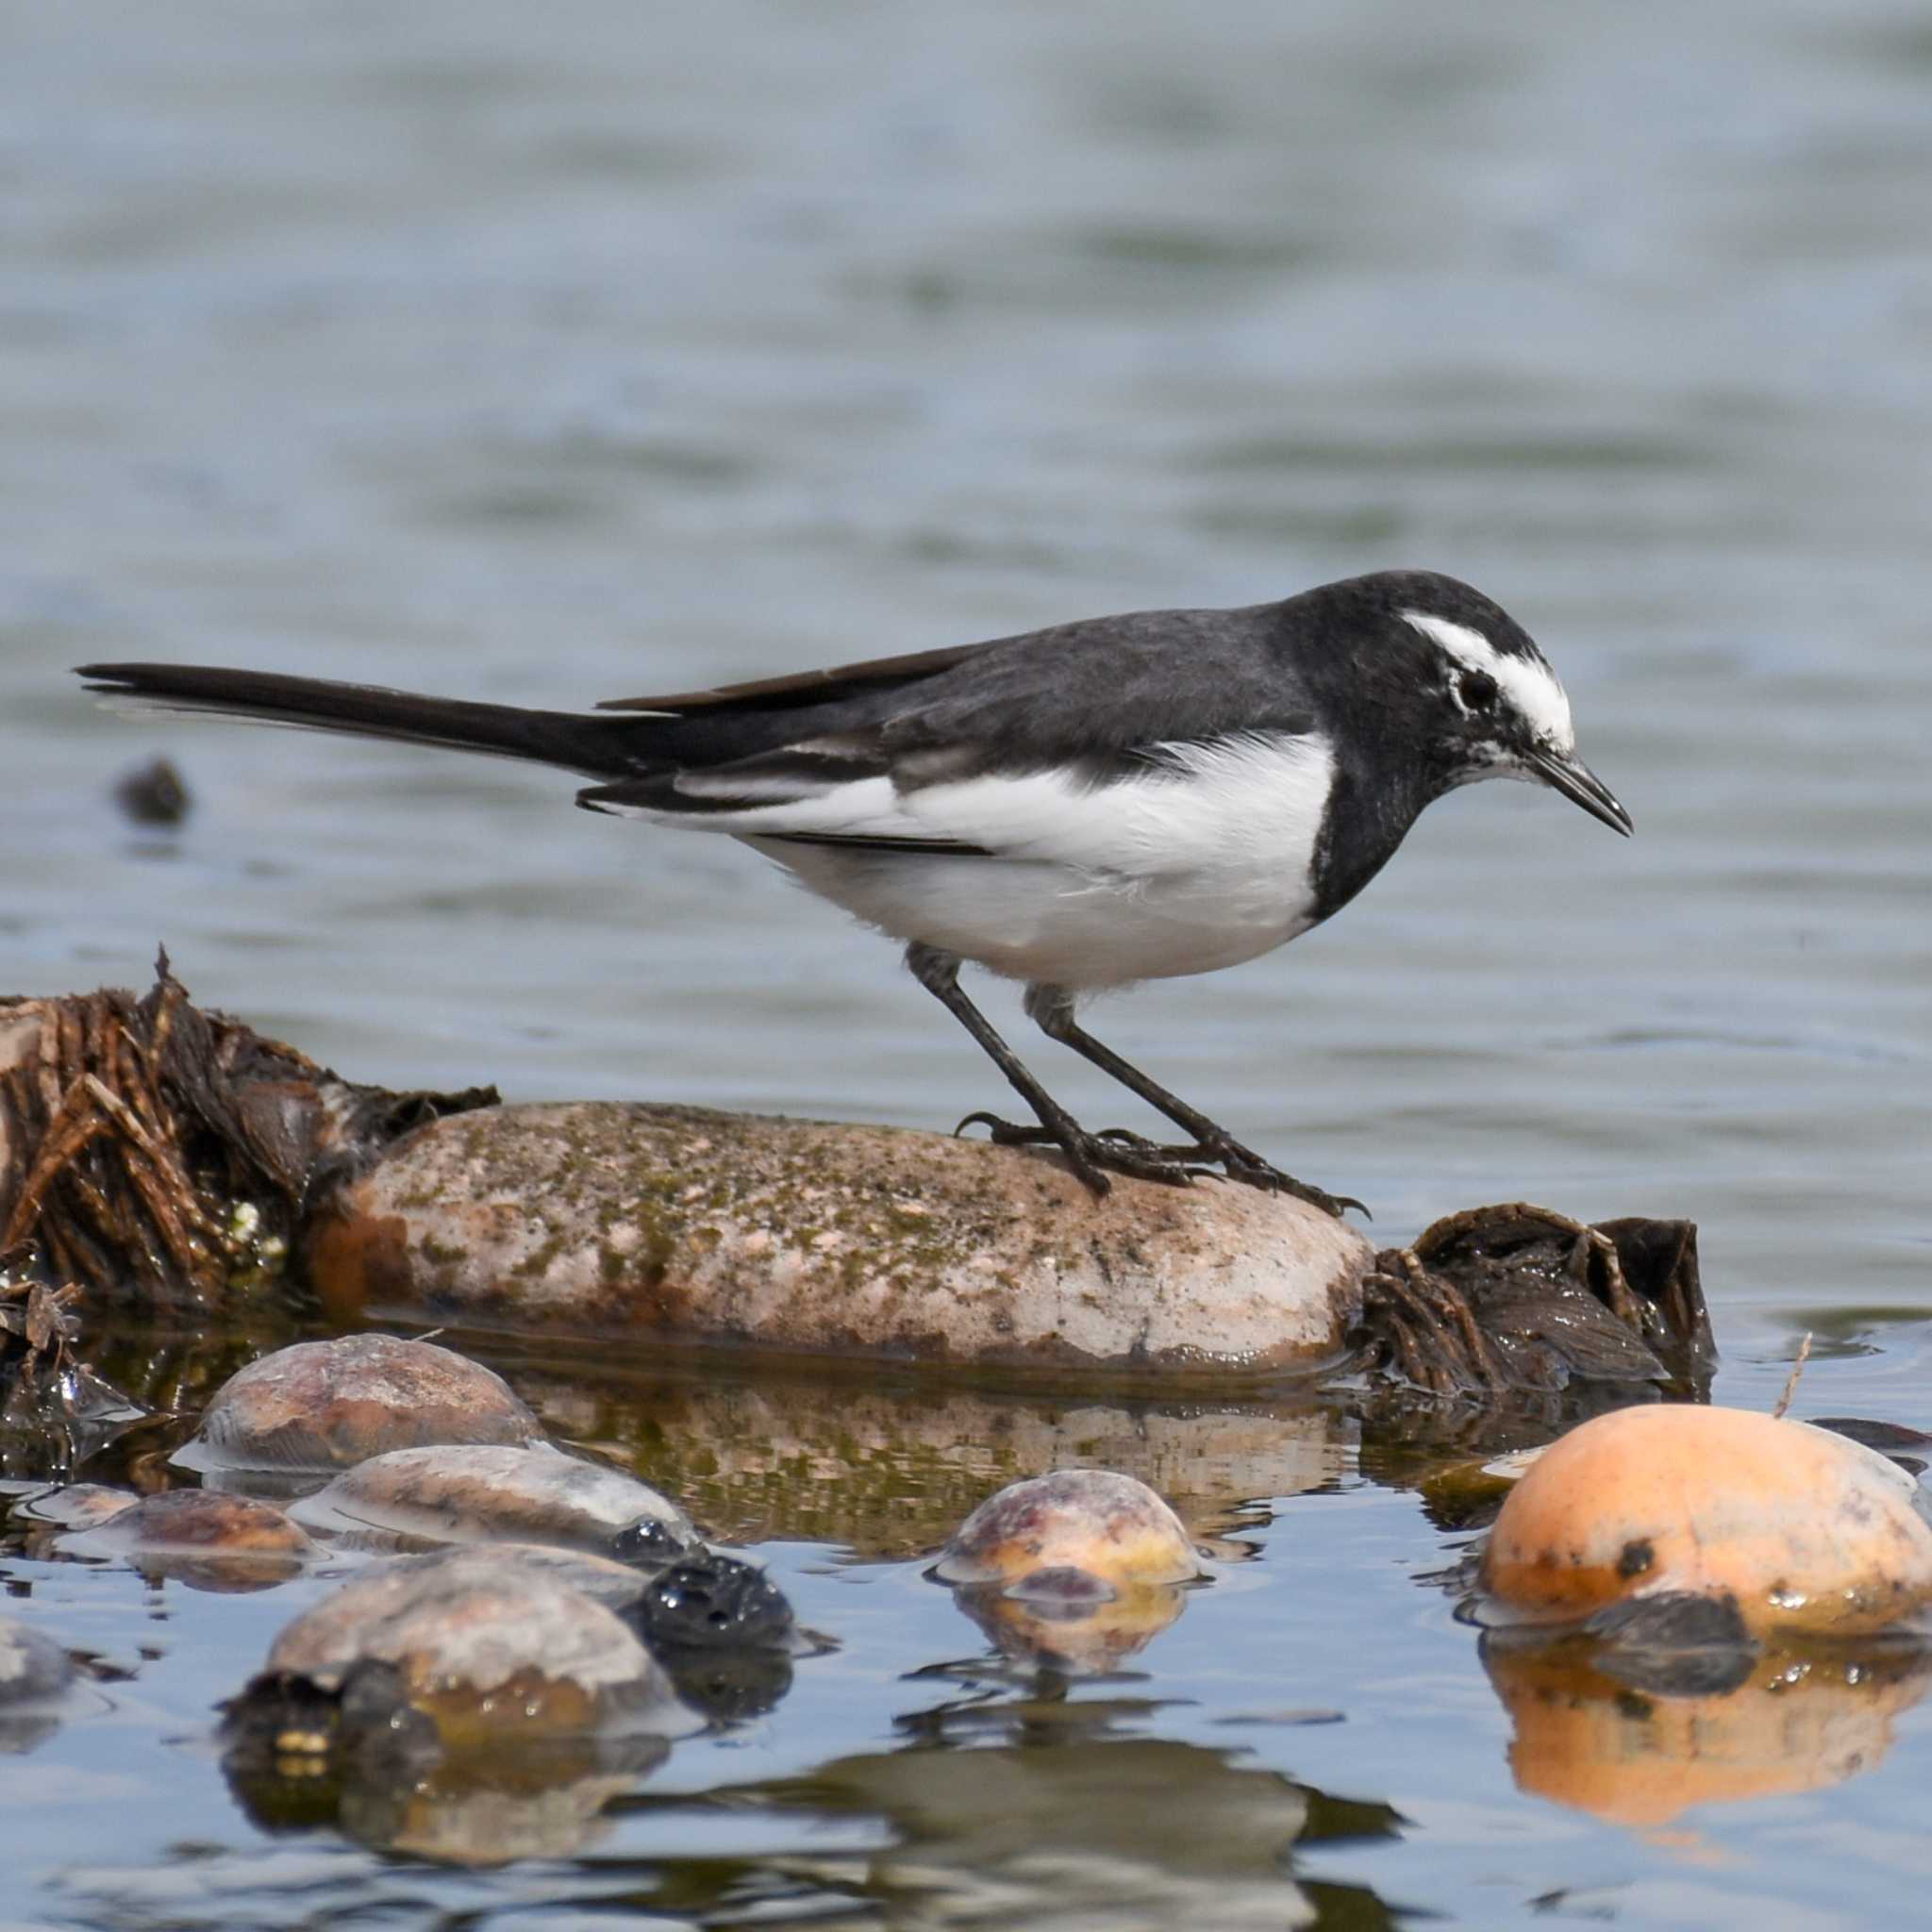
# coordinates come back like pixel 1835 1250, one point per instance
pixel 679 1222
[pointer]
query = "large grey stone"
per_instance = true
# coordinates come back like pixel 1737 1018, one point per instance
pixel 671 1224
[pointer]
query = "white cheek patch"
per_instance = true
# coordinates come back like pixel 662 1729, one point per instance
pixel 1528 683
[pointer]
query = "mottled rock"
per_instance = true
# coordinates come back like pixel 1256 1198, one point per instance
pixel 1076 1570
pixel 475 1491
pixel 619 1586
pixel 191 1519
pixel 199 1537
pixel 443 1618
pixel 1092 1520
pixel 390 1754
pixel 329 1404
pixel 489 1648
pixel 678 1224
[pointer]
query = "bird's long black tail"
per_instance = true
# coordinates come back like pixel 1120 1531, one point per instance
pixel 598 747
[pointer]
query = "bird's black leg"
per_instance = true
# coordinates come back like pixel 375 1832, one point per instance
pixel 1050 1008
pixel 1087 1153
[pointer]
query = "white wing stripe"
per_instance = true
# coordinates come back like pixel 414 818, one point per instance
pixel 1254 800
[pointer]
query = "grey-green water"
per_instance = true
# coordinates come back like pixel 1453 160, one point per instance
pixel 547 355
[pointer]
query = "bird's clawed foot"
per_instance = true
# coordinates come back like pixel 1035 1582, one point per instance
pixel 1243 1164
pixel 1133 1154
pixel 1087 1153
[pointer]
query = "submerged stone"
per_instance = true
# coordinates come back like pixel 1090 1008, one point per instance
pixel 200 1537
pixel 75 1506
pixel 475 1491
pixel 323 1405
pixel 193 1519
pixel 725 1632
pixel 675 1223
pixel 1089 1521
pixel 711 1601
pixel 1803 1529
pixel 615 1585
pixel 1075 1571
pixel 472 1649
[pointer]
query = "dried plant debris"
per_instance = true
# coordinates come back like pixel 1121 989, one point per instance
pixel 53 1409
pixel 149 1147
pixel 1521 1298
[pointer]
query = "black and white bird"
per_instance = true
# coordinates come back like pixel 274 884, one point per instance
pixel 1124 798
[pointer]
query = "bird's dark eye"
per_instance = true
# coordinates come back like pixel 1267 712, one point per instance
pixel 1478 690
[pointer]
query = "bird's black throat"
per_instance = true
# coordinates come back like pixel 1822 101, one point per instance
pixel 1367 815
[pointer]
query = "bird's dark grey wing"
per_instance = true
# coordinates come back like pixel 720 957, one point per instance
pixel 803 688
pixel 1089 689
pixel 1104 692
pixel 1099 701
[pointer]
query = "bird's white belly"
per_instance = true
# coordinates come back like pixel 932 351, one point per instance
pixel 1202 860
pixel 1040 922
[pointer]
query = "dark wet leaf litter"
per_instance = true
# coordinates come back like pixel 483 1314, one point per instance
pixel 976 325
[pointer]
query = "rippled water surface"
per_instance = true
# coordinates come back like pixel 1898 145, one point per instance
pixel 550 354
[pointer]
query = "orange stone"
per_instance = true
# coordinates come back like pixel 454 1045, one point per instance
pixel 1806 1529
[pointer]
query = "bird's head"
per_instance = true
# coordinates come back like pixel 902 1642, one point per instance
pixel 1470 691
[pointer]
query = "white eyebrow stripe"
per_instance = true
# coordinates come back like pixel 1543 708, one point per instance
pixel 1528 683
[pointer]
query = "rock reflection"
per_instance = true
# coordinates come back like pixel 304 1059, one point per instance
pixel 1798 1720
pixel 890 1472
pixel 544 1804
pixel 1079 1631
pixel 35 1675
pixel 1052 1819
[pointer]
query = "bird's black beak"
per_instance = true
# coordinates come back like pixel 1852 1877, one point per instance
pixel 1578 782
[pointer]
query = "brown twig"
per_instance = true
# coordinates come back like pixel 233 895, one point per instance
pixel 1791 1388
